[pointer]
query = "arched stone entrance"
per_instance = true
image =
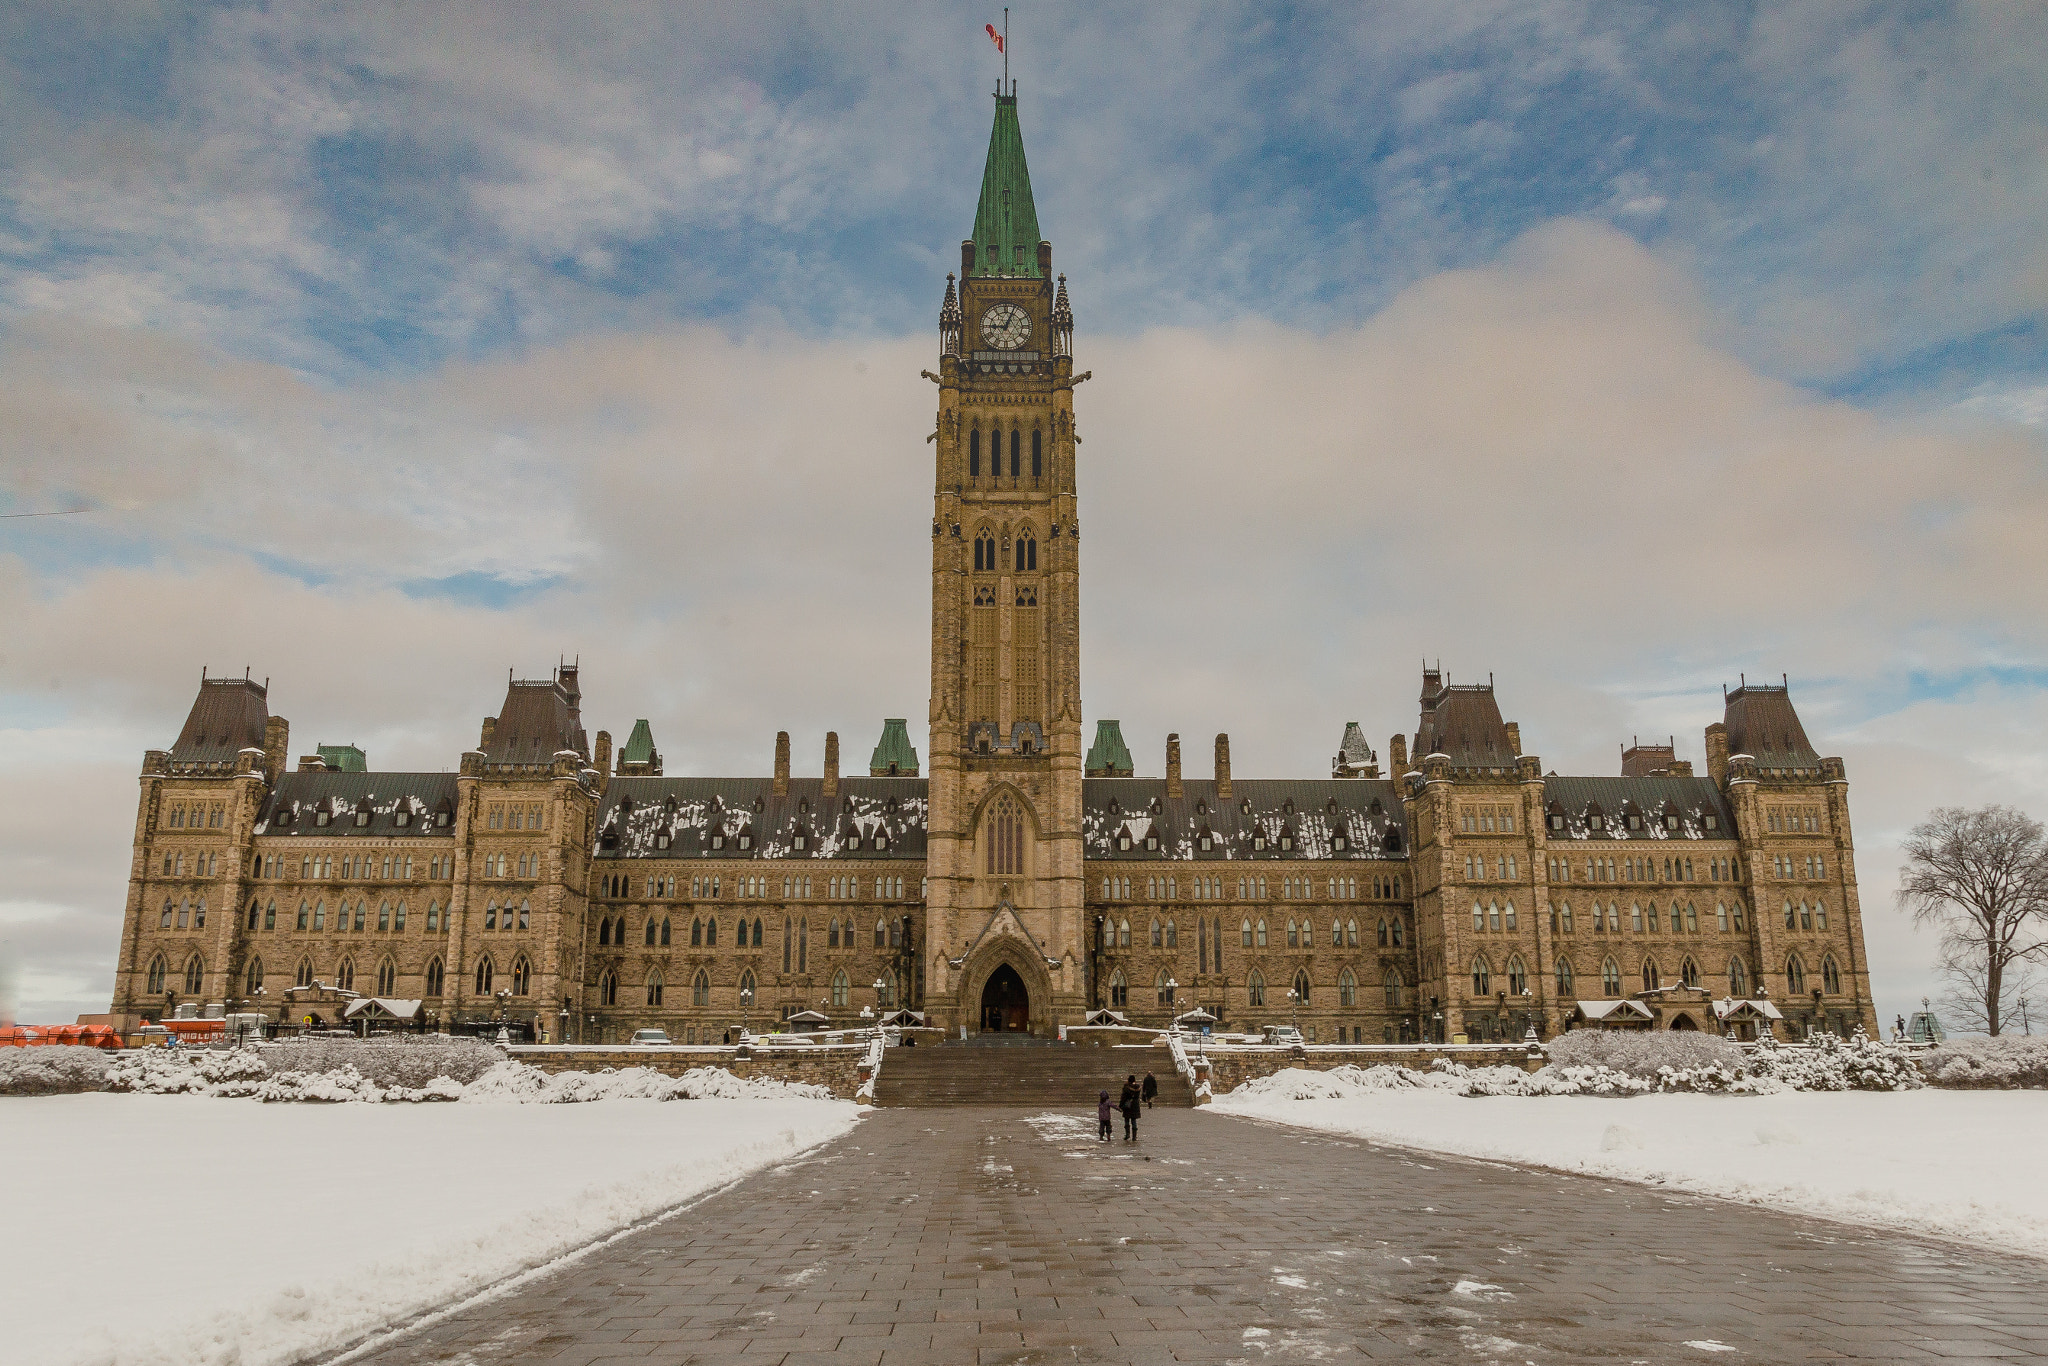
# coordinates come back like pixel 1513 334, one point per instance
pixel 1005 1002
pixel 1684 1022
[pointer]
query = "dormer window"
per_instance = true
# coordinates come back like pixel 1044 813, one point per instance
pixel 1711 821
pixel 1340 844
pixel 1670 820
pixel 746 841
pixel 661 839
pixel 1286 840
pixel 881 840
pixel 362 818
pixel 1596 821
pixel 1207 841
pixel 1151 841
pixel 718 841
pixel 1635 822
pixel 800 841
pixel 1123 842
pixel 401 819
pixel 284 816
pixel 1556 821
pixel 321 818
pixel 1259 842
pixel 441 819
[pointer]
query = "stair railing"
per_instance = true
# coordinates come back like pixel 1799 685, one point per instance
pixel 871 1068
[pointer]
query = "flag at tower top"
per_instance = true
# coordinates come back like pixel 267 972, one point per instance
pixel 1006 222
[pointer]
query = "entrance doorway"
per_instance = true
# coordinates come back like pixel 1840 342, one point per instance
pixel 1005 1005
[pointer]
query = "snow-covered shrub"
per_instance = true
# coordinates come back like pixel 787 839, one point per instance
pixel 1644 1054
pixel 159 1071
pixel 387 1065
pixel 514 1083
pixel 51 1070
pixel 1832 1064
pixel 2005 1063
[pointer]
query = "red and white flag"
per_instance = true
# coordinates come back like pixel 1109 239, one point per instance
pixel 994 37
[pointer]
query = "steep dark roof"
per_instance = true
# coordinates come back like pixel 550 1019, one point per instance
pixel 1005 218
pixel 1762 723
pixel 538 719
pixel 1353 753
pixel 637 811
pixel 640 745
pixel 1462 721
pixel 302 796
pixel 1367 812
pixel 1109 756
pixel 227 717
pixel 1690 799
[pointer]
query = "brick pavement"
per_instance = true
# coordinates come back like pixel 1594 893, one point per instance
pixel 971 1235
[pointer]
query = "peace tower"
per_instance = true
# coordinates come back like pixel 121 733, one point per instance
pixel 1006 885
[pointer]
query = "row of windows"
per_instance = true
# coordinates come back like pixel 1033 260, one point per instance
pixel 381 867
pixel 1487 820
pixel 796 887
pixel 703 932
pixel 988 561
pixel 1811 868
pixel 1637 869
pixel 513 816
pixel 1609 919
pixel 995 454
pixel 198 816
pixel 656 990
pixel 324 815
pixel 1793 820
pixel 1250 888
pixel 191 865
pixel 1116 934
pixel 1478 869
pixel 1652 976
pixel 1298 993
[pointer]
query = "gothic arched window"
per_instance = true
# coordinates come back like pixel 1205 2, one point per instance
pixel 1564 978
pixel 1830 976
pixel 256 975
pixel 483 976
pixel 1004 836
pixel 1482 976
pixel 1518 976
pixel 608 989
pixel 1795 975
pixel 1689 973
pixel 974 454
pixel 984 552
pixel 700 989
pixel 522 975
pixel 1393 988
pixel 304 976
pixel 1347 989
pixel 1016 446
pixel 1651 978
pixel 840 989
pixel 1119 990
pixel 654 987
pixel 157 969
pixel 1037 454
pixel 1738 978
pixel 344 976
pixel 1255 990
pixel 1610 979
pixel 387 978
pixel 1027 552
pixel 435 975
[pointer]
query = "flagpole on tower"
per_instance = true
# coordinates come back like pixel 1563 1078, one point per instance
pixel 1006 46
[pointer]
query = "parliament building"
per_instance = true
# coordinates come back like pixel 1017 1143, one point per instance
pixel 1024 875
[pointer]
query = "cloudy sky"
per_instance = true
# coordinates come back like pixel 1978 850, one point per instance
pixel 1617 351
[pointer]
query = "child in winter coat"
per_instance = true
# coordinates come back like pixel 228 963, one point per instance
pixel 1102 1117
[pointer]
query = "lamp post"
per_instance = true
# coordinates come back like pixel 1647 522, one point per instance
pixel 1171 987
pixel 746 1009
pixel 504 995
pixel 1293 1010
pixel 563 1036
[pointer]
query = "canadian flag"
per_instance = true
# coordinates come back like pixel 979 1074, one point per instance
pixel 994 37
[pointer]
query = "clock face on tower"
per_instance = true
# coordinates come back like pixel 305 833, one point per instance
pixel 1005 327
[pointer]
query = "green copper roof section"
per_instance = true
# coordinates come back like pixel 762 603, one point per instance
pixel 1109 756
pixel 344 759
pixel 1006 221
pixel 896 749
pixel 639 745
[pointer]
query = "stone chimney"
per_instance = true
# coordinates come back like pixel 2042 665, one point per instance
pixel 1515 738
pixel 602 761
pixel 831 763
pixel 277 743
pixel 1222 765
pixel 1397 756
pixel 312 763
pixel 1717 754
pixel 782 763
pixel 490 727
pixel 1173 765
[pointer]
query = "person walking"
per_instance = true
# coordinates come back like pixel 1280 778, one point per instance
pixel 1151 1090
pixel 1102 1117
pixel 1131 1107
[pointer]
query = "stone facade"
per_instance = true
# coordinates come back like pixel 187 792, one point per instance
pixel 1018 883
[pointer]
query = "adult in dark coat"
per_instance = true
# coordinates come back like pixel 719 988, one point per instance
pixel 1131 1106
pixel 1150 1090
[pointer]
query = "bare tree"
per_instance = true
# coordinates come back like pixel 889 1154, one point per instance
pixel 1981 877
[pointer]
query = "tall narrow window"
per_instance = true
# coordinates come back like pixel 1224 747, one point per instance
pixel 156 975
pixel 345 975
pixel 608 989
pixel 974 454
pixel 1037 455
pixel 435 976
pixel 1016 446
pixel 483 976
pixel 700 989
pixel 1004 837
pixel 654 987
pixel 1564 978
pixel 256 975
pixel 387 978
pixel 1027 552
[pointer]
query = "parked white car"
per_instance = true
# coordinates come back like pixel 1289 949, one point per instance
pixel 654 1036
pixel 1285 1036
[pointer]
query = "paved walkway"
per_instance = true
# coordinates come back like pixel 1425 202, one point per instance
pixel 979 1236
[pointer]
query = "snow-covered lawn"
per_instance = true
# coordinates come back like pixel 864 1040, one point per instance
pixel 189 1229
pixel 1960 1164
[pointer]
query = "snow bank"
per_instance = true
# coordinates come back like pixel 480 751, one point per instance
pixel 1928 1161
pixel 51 1070
pixel 2003 1062
pixel 252 1234
pixel 387 1073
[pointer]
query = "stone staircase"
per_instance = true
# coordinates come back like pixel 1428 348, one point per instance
pixel 1053 1075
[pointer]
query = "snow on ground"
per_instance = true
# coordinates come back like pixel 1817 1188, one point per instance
pixel 1959 1164
pixel 151 1230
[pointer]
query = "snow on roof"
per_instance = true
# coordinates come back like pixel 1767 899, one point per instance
pixel 1602 1010
pixel 869 818
pixel 389 1005
pixel 1738 1008
pixel 1307 814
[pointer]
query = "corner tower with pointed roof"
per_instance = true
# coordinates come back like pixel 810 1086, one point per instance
pixel 1006 882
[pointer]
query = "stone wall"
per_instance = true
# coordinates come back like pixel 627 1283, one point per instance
pixel 1230 1068
pixel 836 1068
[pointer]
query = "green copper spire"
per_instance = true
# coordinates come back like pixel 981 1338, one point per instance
pixel 1006 221
pixel 1109 756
